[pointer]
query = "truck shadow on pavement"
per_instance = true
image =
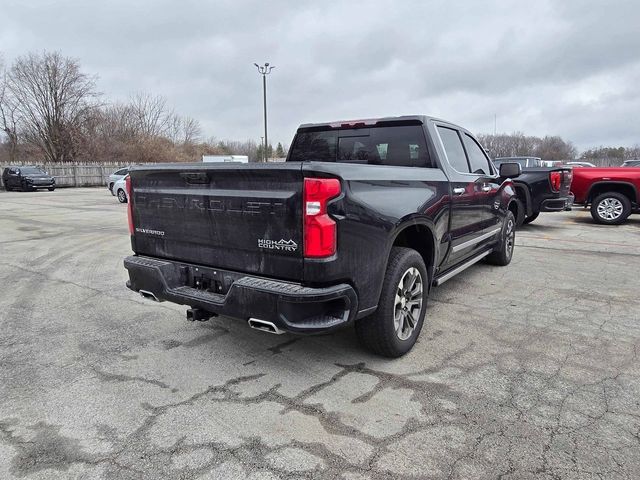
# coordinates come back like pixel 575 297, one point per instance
pixel 632 220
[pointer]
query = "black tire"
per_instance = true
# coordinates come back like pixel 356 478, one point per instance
pixel 51 189
pixel 379 332
pixel 503 253
pixel 521 212
pixel 610 208
pixel 531 217
pixel 7 188
pixel 122 196
pixel 111 188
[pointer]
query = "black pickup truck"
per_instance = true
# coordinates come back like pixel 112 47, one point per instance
pixel 539 189
pixel 355 227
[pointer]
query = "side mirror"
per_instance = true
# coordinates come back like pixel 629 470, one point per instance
pixel 510 170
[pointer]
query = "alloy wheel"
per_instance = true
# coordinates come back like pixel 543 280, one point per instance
pixel 408 303
pixel 510 237
pixel 610 209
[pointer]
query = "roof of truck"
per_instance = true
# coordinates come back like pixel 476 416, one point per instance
pixel 363 122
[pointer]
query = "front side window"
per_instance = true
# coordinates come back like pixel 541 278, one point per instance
pixel 477 159
pixel 454 150
pixel 402 146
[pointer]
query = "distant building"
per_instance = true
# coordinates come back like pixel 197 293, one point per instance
pixel 225 158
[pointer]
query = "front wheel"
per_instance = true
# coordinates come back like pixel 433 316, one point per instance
pixel 122 196
pixel 611 208
pixel 503 253
pixel 394 328
pixel 51 189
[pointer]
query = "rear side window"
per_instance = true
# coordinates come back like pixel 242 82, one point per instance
pixel 454 150
pixel 402 146
pixel 477 159
pixel 122 172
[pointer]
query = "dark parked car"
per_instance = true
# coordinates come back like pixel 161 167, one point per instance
pixel 27 178
pixel 355 227
pixel 540 189
pixel 631 163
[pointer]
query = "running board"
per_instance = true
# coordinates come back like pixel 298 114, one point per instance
pixel 457 270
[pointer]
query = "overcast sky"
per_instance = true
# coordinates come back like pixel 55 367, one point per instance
pixel 570 68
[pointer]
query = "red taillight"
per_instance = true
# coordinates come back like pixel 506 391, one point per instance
pixel 320 233
pixel 555 178
pixel 127 187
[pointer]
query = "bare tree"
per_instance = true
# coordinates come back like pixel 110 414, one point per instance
pixel 518 144
pixel 152 115
pixel 183 130
pixel 191 130
pixel 48 106
pixel 52 97
pixel 8 118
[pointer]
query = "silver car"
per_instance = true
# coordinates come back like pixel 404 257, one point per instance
pixel 114 177
pixel 119 189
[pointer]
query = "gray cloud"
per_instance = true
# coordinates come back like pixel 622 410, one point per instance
pixel 570 68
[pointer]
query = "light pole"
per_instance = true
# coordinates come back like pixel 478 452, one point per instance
pixel 264 71
pixel 264 155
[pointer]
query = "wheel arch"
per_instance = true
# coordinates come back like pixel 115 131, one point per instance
pixel 625 188
pixel 513 207
pixel 420 237
pixel 524 195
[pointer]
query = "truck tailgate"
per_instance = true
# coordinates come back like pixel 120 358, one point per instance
pixel 231 217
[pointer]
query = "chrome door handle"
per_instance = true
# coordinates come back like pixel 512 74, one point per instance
pixel 459 191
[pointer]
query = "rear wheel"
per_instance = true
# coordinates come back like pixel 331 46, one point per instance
pixel 610 208
pixel 394 328
pixel 122 196
pixel 51 189
pixel 504 252
pixel 531 217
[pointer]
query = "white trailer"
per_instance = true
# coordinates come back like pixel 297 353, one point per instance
pixel 225 158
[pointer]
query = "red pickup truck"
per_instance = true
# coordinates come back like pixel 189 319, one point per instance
pixel 612 192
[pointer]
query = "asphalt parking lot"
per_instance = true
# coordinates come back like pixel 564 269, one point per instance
pixel 529 371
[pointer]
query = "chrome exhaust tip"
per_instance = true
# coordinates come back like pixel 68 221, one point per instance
pixel 149 295
pixel 265 326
